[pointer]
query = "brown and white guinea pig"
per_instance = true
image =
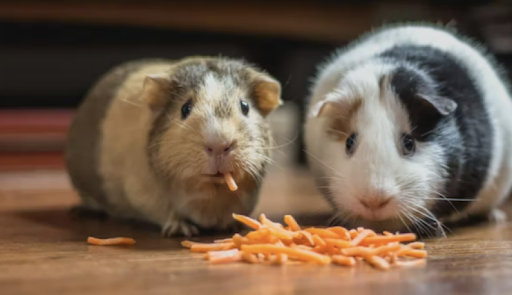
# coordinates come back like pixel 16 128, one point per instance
pixel 153 138
pixel 410 128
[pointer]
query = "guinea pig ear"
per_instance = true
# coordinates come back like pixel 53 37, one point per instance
pixel 154 92
pixel 325 108
pixel 335 104
pixel 442 105
pixel 267 94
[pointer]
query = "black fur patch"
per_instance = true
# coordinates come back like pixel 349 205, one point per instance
pixel 409 85
pixel 466 135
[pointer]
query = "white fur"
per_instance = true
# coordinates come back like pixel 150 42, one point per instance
pixel 212 91
pixel 216 132
pixel 377 163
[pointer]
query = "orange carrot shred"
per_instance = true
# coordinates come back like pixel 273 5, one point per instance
pixel 254 224
pixel 248 257
pixel 416 245
pixel 119 241
pixel 318 241
pixel 292 223
pixel 323 233
pixel 223 241
pixel 394 258
pixel 230 181
pixel 338 243
pixel 357 251
pixel 388 239
pixel 353 233
pixel 378 262
pixel 416 253
pixel 308 236
pixel 362 235
pixel 340 231
pixel 343 260
pixel 297 253
pixel 202 247
pixel 382 250
pixel 224 256
pixel 411 263
pixel 187 244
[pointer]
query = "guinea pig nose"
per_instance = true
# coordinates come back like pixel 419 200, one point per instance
pixel 374 204
pixel 219 149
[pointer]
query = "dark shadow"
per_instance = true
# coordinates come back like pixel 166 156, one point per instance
pixel 80 224
pixel 79 228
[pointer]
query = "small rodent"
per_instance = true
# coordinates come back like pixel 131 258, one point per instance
pixel 153 138
pixel 409 128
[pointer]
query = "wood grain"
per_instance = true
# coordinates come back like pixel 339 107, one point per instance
pixel 43 251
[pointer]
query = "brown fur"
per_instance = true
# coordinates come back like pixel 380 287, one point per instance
pixel 82 151
pixel 151 161
pixel 340 115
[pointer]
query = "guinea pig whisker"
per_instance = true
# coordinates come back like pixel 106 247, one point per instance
pixel 403 221
pixel 334 219
pixel 284 144
pixel 251 169
pixel 266 158
pixel 427 214
pixel 445 227
pixel 350 217
pixel 343 217
pixel 430 230
pixel 181 124
pixel 431 131
pixel 259 158
pixel 419 224
pixel 321 162
pixel 451 199
pixel 130 102
pixel 449 202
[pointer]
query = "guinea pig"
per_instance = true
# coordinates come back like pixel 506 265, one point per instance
pixel 154 138
pixel 408 128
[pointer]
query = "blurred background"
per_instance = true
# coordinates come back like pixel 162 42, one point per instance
pixel 52 51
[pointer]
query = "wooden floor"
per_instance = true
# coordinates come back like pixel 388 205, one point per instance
pixel 43 251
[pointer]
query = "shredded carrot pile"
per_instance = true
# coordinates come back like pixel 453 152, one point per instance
pixel 110 241
pixel 272 243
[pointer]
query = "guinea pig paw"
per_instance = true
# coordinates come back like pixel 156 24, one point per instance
pixel 497 216
pixel 179 227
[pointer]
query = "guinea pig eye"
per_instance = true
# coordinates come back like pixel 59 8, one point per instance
pixel 186 109
pixel 408 145
pixel 350 144
pixel 245 107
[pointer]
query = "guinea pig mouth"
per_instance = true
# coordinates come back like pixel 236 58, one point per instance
pixel 217 178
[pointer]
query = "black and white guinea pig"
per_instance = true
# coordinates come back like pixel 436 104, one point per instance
pixel 410 128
